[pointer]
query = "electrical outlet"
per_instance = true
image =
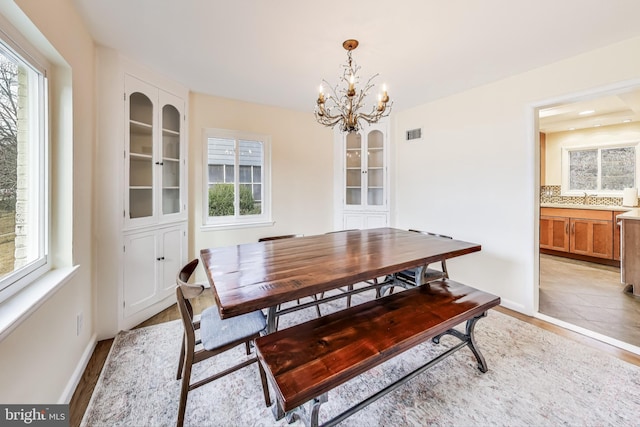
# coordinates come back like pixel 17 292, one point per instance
pixel 79 323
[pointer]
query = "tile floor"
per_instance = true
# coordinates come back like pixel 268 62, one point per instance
pixel 590 296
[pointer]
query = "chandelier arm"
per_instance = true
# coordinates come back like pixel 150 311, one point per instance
pixel 375 115
pixel 324 121
pixel 326 117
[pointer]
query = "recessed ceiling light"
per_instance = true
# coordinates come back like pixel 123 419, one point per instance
pixel 582 113
pixel 572 128
pixel 626 121
pixel 597 126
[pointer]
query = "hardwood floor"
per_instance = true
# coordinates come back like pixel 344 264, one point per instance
pixel 84 390
pixel 590 296
pixel 82 394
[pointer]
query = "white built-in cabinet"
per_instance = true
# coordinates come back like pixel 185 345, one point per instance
pixel 155 229
pixel 151 261
pixel 363 177
pixel 141 191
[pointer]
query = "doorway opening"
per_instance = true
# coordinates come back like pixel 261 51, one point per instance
pixel 579 284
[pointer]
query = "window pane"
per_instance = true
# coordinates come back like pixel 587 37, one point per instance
pixel 245 174
pixel 221 157
pixel 583 170
pixel 8 163
pixel 221 200
pixel 618 168
pixel 241 196
pixel 250 156
pixel 216 173
pixel 22 169
pixel 229 174
pixel 257 192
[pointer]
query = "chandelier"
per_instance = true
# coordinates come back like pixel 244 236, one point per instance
pixel 347 102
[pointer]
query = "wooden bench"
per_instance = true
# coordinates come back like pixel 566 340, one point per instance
pixel 307 360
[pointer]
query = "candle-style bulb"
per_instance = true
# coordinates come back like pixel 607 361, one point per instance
pixel 385 97
pixel 320 96
pixel 351 91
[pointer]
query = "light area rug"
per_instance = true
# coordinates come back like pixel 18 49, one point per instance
pixel 535 378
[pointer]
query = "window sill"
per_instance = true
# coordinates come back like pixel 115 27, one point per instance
pixel 20 306
pixel 216 227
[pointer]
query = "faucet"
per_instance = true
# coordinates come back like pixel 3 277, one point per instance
pixel 584 199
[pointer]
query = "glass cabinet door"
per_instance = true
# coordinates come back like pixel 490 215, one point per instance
pixel 365 169
pixel 155 156
pixel 353 164
pixel 170 160
pixel 140 156
pixel 375 168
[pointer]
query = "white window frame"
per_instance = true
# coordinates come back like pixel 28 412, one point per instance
pixel 237 221
pixel 15 45
pixel 605 193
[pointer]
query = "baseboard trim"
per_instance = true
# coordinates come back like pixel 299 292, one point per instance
pixel 67 394
pixel 604 261
pixel 520 308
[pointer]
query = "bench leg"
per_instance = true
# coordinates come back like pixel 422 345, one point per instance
pixel 469 338
pixel 309 419
pixel 278 412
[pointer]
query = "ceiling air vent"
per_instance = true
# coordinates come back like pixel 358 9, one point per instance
pixel 413 134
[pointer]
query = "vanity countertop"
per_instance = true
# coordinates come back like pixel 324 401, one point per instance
pixel 594 207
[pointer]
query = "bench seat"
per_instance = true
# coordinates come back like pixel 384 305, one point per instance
pixel 307 360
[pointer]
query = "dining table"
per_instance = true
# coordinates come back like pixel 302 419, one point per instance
pixel 264 275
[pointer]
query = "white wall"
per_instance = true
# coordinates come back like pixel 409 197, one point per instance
pixel 626 132
pixel 301 164
pixel 41 356
pixel 475 174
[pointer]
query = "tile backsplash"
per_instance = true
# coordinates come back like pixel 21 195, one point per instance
pixel 552 194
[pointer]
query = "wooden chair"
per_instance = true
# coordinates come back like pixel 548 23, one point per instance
pixel 284 236
pixel 407 278
pixel 215 336
pixel 288 236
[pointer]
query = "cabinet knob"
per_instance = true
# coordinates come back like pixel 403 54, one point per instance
pixel 160 258
pixel 160 163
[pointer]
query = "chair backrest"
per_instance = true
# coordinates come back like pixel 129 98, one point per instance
pixel 431 234
pixel 184 292
pixel 186 271
pixel 284 236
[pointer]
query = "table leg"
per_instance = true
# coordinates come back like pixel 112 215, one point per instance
pixel 271 319
pixel 420 279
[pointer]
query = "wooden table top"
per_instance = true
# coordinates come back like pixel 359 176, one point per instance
pixel 255 276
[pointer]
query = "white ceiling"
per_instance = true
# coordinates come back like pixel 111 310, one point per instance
pixel 604 110
pixel 277 52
